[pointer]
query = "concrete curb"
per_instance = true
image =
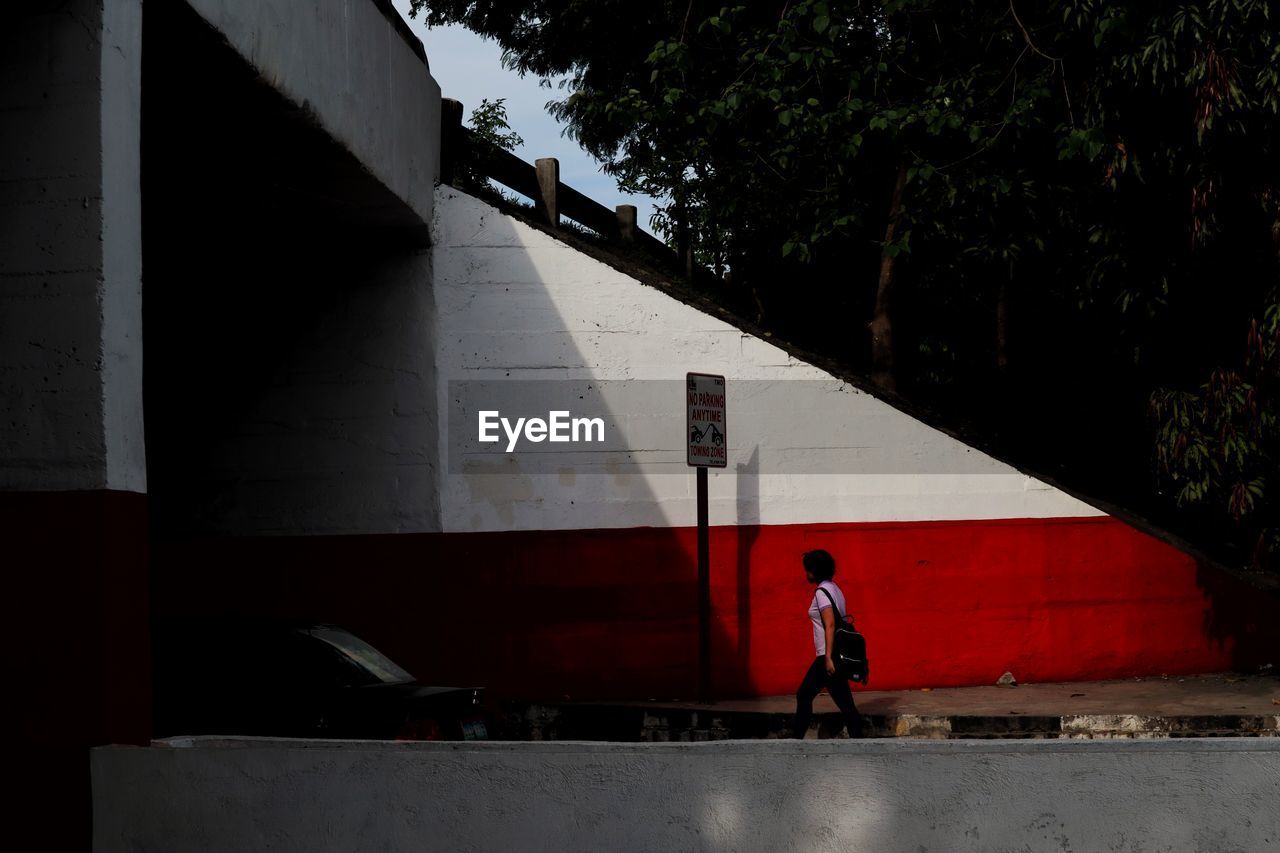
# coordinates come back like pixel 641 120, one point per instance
pixel 635 723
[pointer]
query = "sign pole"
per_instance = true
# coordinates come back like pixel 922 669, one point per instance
pixel 704 591
pixel 707 446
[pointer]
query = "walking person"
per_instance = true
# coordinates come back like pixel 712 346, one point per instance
pixel 819 569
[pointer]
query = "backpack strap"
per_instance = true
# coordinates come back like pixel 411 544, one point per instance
pixel 839 615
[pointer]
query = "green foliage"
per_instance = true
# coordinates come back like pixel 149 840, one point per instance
pixel 1218 446
pixel 489 125
pixel 489 130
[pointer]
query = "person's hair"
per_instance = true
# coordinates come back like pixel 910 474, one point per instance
pixel 820 564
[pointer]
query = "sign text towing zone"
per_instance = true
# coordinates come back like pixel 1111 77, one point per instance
pixel 706 430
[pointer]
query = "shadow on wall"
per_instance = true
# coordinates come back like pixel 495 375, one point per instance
pixel 747 482
pixel 1245 624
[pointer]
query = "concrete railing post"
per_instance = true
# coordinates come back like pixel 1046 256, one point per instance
pixel 451 138
pixel 548 169
pixel 626 222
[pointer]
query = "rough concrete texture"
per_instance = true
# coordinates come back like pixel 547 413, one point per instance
pixel 122 245
pixel 514 303
pixel 1213 795
pixel 70 247
pixel 346 63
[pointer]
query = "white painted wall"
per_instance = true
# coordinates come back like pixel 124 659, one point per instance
pixel 70 248
pixel 348 66
pixel 882 796
pixel 514 303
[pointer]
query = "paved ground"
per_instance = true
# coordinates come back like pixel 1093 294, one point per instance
pixel 1200 695
pixel 1186 706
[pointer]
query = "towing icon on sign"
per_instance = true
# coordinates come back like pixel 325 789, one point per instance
pixel 717 437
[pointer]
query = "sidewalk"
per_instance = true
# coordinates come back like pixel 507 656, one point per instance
pixel 1177 706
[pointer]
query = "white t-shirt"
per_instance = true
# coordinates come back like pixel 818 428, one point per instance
pixel 821 602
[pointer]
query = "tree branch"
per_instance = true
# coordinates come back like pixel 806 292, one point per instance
pixel 1027 36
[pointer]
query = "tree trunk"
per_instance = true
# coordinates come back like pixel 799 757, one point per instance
pixel 1002 328
pixel 684 237
pixel 882 369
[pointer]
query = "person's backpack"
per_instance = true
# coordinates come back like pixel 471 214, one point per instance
pixel 849 651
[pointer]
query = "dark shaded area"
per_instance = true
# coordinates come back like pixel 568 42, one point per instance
pixel 256 224
pixel 1247 623
pixel 224 151
pixel 1071 402
pixel 269 679
pixel 421 597
pixel 76 599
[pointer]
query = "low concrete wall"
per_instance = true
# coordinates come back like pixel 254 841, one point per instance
pixel 1206 795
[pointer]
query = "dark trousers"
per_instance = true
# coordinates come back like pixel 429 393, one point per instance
pixel 838 686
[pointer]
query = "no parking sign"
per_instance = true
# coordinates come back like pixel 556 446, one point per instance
pixel 708 442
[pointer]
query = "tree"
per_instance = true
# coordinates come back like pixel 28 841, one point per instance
pixel 727 111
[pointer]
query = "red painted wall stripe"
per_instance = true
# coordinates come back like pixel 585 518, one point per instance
pixel 611 613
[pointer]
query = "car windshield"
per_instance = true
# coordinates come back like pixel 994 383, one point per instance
pixel 362 654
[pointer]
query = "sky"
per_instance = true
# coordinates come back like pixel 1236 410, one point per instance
pixel 469 69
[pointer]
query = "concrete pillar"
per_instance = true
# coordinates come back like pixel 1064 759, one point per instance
pixel 71 249
pixel 72 459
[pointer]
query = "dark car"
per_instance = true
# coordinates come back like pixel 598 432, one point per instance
pixel 238 678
